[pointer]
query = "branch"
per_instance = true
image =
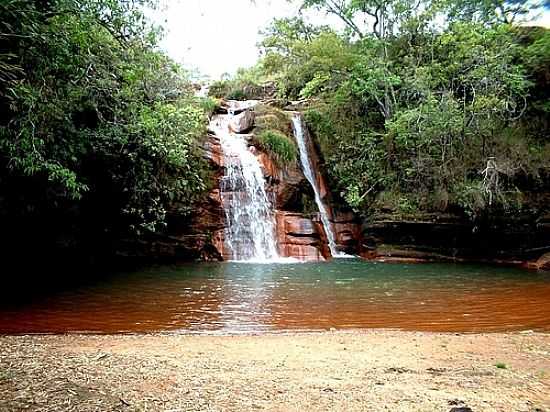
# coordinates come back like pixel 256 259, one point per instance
pixel 339 11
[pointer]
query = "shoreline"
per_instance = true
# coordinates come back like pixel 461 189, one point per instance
pixel 270 333
pixel 351 370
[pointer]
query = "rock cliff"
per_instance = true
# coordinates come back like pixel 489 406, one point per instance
pixel 299 231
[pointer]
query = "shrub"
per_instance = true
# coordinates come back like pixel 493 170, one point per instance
pixel 209 105
pixel 245 84
pixel 279 146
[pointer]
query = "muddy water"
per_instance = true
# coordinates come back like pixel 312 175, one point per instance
pixel 234 298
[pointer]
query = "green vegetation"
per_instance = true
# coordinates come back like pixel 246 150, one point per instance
pixel 501 365
pixel 437 105
pixel 246 84
pixel 282 148
pixel 415 115
pixel 99 131
pixel 274 134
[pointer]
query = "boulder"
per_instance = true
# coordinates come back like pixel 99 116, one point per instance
pixel 242 122
pixel 235 106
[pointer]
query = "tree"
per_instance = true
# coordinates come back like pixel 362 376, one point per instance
pixel 99 131
pixel 424 110
pixel 491 11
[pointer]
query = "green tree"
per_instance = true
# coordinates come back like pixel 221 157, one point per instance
pixel 413 103
pixel 96 125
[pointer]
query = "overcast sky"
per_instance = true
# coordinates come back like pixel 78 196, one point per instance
pixel 219 36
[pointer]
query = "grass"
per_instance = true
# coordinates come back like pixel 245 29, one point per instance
pixel 501 365
pixel 278 145
pixel 272 118
pixel 209 105
pixel 5 375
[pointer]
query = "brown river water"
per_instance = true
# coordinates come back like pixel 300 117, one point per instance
pixel 244 298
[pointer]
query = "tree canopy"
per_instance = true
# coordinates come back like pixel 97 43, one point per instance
pixel 422 105
pixel 99 130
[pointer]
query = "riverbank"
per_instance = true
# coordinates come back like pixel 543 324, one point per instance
pixel 371 370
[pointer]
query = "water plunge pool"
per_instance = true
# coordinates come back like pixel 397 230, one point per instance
pixel 240 298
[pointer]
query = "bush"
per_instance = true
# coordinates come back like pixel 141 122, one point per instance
pixel 209 105
pixel 246 84
pixel 279 146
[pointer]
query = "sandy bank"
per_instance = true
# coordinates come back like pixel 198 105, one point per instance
pixel 338 371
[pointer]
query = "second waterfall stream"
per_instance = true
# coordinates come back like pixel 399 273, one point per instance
pixel 307 167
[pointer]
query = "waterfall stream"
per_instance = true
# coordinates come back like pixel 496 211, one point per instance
pixel 250 229
pixel 305 158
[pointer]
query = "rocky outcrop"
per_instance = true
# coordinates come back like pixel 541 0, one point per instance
pixel 242 122
pixel 440 237
pixel 347 229
pixel 212 151
pixel 298 237
pixel 286 183
pixel 299 231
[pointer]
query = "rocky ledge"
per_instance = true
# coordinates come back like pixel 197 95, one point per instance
pixel 443 237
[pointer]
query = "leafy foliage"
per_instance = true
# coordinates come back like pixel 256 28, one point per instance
pixel 246 84
pixel 100 124
pixel 278 145
pixel 415 101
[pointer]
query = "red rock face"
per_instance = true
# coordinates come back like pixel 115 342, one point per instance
pixel 347 230
pixel 298 237
pixel 213 151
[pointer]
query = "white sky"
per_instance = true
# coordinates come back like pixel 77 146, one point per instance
pixel 219 36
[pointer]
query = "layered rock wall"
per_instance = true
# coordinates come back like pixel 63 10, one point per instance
pixel 453 238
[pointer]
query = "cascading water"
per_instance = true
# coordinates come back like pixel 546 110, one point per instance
pixel 307 167
pixel 250 234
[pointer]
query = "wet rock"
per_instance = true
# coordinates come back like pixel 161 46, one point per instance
pixel 242 122
pixel 302 240
pixel 298 237
pixel 212 150
pixel 543 263
pixel 295 224
pixel 348 236
pixel 268 165
pixel 300 252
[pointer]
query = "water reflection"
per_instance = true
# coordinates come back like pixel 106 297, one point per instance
pixel 233 297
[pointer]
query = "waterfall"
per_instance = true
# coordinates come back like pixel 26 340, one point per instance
pixel 249 234
pixel 307 167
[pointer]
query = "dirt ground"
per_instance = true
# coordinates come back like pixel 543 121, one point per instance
pixel 374 370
